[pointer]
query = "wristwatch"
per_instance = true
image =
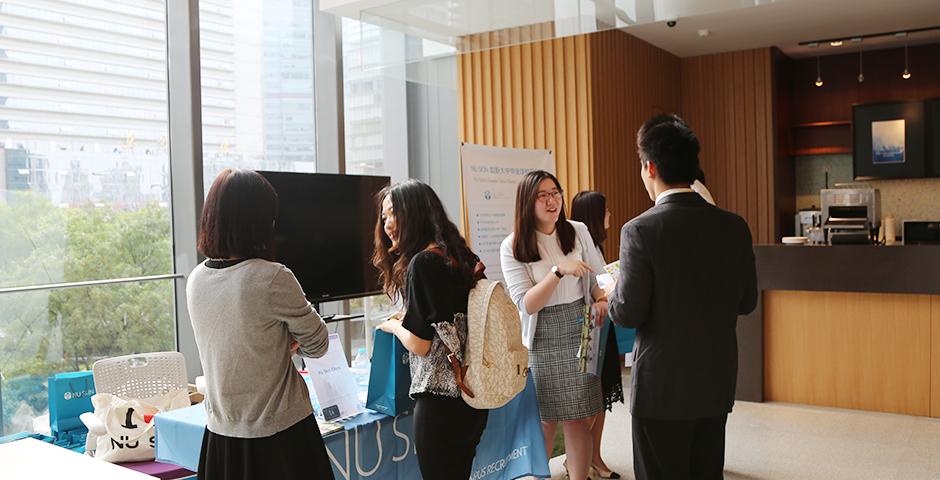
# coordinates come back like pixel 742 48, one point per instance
pixel 556 272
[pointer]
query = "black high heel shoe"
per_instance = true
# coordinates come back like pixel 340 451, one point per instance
pixel 597 473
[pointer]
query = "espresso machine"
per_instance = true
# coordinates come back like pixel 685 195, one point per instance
pixel 809 224
pixel 851 214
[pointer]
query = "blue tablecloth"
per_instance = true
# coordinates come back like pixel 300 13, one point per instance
pixel 377 446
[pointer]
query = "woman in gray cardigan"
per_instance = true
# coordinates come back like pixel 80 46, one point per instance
pixel 247 312
pixel 549 264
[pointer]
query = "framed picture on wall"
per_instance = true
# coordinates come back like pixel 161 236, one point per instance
pixel 890 140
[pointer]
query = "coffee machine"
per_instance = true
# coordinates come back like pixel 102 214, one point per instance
pixel 809 224
pixel 851 214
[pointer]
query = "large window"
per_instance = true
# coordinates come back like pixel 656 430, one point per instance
pixel 376 129
pixel 84 191
pixel 257 85
pixel 374 100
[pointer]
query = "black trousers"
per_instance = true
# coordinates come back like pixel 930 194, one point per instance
pixel 679 449
pixel 447 432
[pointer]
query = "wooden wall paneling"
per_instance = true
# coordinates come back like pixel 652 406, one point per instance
pixel 721 133
pixel 505 85
pixel 848 350
pixel 528 94
pixel 488 105
pixel 461 93
pixel 515 53
pixel 728 89
pixel 935 356
pixel 751 155
pixel 583 97
pixel 762 130
pixel 497 69
pixel 630 81
pixel 784 169
pixel 477 59
pixel 584 112
pixel 561 134
pixel 548 75
pixel 571 119
pixel 590 118
pixel 533 95
pixel 741 128
pixel 505 81
pixel 538 97
pixel 727 99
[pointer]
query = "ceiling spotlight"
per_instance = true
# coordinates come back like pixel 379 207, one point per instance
pixel 812 45
pixel 837 43
pixel 857 40
pixel 819 81
pixel 907 73
pixel 861 76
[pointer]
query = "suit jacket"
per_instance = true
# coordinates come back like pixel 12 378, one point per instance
pixel 686 272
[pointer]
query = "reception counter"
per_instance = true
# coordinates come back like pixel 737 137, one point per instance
pixel 844 326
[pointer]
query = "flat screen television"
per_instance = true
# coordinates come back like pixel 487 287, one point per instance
pixel 324 232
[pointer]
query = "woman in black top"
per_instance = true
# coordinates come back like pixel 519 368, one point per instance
pixel 422 259
pixel 590 208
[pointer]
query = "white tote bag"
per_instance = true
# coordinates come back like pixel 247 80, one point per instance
pixel 129 425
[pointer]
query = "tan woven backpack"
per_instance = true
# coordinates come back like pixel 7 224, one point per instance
pixel 495 360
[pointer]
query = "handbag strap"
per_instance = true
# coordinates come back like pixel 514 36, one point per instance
pixel 450 340
pixel 460 372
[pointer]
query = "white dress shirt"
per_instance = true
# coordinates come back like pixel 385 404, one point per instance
pixel 671 191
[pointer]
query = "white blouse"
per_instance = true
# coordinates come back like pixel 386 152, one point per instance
pixel 569 287
pixel 520 277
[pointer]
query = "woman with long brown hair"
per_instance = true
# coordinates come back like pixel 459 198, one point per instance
pixel 549 264
pixel 423 260
pixel 590 208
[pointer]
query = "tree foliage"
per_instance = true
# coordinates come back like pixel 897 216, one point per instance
pixel 48 331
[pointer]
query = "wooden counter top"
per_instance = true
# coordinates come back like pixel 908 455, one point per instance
pixel 849 268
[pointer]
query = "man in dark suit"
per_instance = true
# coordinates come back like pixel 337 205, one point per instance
pixel 686 273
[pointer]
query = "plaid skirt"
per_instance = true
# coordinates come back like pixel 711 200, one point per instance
pixel 563 393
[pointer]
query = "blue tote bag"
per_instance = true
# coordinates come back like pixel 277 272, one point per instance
pixel 390 376
pixel 69 396
pixel 625 339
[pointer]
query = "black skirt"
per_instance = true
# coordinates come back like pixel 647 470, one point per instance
pixel 611 379
pixel 295 453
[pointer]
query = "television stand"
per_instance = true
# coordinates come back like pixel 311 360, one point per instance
pixel 333 317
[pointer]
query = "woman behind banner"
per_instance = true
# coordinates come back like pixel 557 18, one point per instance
pixel 422 259
pixel 590 208
pixel 246 310
pixel 549 265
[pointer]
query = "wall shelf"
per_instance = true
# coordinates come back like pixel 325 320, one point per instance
pixel 821 138
pixel 821 151
pixel 837 123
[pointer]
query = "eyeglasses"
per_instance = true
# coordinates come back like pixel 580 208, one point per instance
pixel 544 197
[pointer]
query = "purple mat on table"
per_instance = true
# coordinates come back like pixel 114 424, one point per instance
pixel 164 471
